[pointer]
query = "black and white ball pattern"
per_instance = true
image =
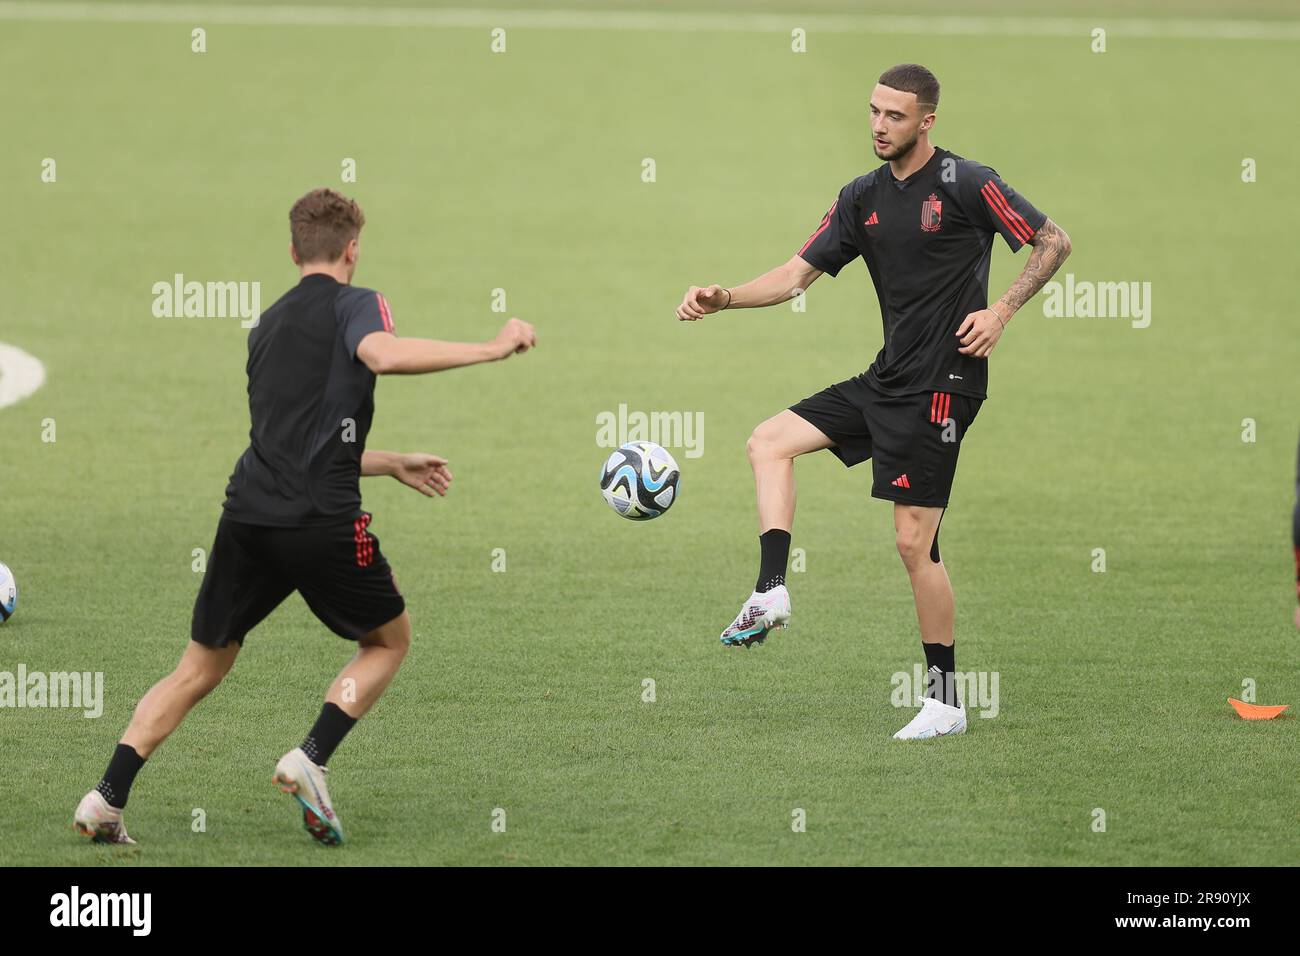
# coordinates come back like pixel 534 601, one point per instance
pixel 8 594
pixel 640 480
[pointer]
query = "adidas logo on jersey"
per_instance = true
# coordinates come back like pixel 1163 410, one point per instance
pixel 872 220
pixel 901 481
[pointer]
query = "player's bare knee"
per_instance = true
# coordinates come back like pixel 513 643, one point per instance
pixel 401 638
pixel 762 445
pixel 396 642
pixel 913 547
pixel 197 682
pixel 394 636
pixel 201 668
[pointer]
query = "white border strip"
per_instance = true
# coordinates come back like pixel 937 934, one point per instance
pixel 683 21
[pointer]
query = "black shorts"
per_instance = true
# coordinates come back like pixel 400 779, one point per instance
pixel 337 568
pixel 912 440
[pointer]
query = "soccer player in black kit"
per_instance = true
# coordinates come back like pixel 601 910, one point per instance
pixel 925 223
pixel 292 516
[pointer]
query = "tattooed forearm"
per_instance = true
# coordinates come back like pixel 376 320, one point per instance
pixel 1051 246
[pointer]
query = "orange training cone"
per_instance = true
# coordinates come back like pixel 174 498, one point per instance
pixel 1256 711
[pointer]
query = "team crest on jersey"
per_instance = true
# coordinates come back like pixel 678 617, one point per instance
pixel 931 213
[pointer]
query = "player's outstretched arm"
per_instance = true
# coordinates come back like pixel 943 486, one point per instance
pixel 386 354
pixel 980 331
pixel 778 285
pixel 427 474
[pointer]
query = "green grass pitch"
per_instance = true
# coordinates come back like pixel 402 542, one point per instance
pixel 522 171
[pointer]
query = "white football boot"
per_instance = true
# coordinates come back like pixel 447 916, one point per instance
pixel 936 719
pixel 760 614
pixel 295 774
pixel 99 820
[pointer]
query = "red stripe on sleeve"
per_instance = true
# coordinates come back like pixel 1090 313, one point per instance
pixel 998 212
pixel 384 313
pixel 997 195
pixel 1010 218
pixel 826 221
pixel 1011 210
pixel 998 204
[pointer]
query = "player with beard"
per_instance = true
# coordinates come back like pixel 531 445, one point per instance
pixel 924 222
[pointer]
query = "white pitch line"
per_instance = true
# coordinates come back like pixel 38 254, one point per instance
pixel 683 21
pixel 20 374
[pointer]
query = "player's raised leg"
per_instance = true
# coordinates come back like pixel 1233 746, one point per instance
pixel 917 536
pixel 772 449
pixel 160 711
pixel 302 771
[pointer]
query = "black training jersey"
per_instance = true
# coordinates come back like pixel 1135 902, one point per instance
pixel 927 241
pixel 311 401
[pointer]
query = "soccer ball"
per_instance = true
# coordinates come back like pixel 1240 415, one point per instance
pixel 640 480
pixel 8 594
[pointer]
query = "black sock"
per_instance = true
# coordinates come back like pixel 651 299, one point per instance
pixel 941 676
pixel 115 786
pixel 328 732
pixel 774 549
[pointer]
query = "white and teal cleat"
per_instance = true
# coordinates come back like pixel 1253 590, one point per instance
pixel 99 820
pixel 936 719
pixel 296 775
pixel 760 614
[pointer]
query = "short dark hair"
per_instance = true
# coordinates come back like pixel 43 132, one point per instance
pixel 322 223
pixel 913 78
